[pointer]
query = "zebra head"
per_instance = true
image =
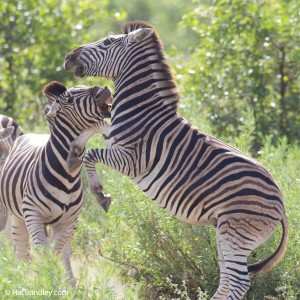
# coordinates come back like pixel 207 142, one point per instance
pixel 6 132
pixel 83 106
pixel 5 145
pixel 108 56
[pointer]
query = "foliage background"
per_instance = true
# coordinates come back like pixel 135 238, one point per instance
pixel 237 66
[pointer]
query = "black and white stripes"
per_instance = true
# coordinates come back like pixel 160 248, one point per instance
pixel 194 176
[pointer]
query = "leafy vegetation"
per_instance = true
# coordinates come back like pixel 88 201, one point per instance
pixel 34 39
pixel 247 56
pixel 239 80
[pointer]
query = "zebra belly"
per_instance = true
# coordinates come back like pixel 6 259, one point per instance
pixel 200 196
pixel 206 211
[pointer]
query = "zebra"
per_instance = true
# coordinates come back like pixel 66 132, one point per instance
pixel 36 185
pixel 9 131
pixel 4 134
pixel 194 176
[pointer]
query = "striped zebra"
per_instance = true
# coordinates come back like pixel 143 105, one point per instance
pixel 4 134
pixel 36 184
pixel 196 177
pixel 9 131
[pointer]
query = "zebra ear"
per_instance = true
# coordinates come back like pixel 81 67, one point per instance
pixel 52 90
pixel 6 132
pixel 139 35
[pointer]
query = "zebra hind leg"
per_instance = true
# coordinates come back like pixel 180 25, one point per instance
pixel 224 286
pixel 62 237
pixel 236 241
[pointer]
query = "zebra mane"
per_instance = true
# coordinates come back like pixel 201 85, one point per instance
pixel 132 26
pixel 54 88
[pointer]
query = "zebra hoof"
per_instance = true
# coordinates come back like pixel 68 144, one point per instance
pixel 105 203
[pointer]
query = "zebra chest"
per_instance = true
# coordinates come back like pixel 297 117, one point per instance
pixel 52 203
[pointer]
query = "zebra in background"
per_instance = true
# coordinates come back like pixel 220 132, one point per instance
pixel 192 175
pixel 4 134
pixel 9 131
pixel 36 185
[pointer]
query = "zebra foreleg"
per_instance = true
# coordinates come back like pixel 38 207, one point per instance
pixel 74 159
pixel 120 159
pixel 36 228
pixel 96 187
pixel 20 237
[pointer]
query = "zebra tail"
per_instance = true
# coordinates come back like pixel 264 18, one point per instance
pixel 268 263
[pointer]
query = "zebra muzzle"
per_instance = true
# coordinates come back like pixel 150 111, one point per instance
pixel 53 110
pixel 103 96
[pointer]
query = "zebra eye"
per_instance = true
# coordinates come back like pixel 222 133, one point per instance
pixel 70 100
pixel 108 41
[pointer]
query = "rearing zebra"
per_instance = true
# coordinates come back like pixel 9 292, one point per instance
pixel 36 184
pixel 192 175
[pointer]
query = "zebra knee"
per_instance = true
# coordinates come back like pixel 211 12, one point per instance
pixel 73 160
pixel 73 163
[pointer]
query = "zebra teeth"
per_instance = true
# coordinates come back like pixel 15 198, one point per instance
pixel 107 103
pixel 109 108
pixel 106 110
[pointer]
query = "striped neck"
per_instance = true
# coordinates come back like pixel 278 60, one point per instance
pixel 146 80
pixel 62 135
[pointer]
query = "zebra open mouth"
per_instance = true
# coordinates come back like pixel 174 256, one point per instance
pixel 106 107
pixel 107 104
pixel 79 70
